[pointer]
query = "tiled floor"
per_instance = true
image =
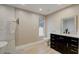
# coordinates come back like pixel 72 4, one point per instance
pixel 41 48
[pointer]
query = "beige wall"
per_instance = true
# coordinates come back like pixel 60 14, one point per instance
pixel 27 29
pixel 53 21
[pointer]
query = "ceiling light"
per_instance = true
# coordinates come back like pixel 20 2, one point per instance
pixel 40 9
pixel 23 4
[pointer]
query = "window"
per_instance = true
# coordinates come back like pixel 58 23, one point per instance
pixel 41 26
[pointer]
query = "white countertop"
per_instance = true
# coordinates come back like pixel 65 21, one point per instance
pixel 70 35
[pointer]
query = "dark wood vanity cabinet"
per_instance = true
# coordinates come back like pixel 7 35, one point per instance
pixel 64 44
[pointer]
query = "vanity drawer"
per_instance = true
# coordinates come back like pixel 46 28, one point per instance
pixel 74 46
pixel 73 51
pixel 53 36
pixel 52 39
pixel 74 40
pixel 61 38
pixel 52 42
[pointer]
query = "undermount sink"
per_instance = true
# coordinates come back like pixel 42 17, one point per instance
pixel 3 45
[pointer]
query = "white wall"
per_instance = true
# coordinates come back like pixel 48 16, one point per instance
pixel 53 21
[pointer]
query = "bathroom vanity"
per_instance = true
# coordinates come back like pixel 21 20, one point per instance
pixel 65 44
pixel 67 41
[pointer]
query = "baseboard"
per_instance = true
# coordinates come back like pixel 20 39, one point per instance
pixel 30 44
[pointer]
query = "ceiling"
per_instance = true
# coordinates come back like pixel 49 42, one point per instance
pixel 46 8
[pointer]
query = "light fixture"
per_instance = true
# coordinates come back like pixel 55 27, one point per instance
pixel 23 4
pixel 40 9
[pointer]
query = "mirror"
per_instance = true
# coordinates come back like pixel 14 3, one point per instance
pixel 69 25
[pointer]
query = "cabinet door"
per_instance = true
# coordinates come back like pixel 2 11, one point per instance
pixel 61 44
